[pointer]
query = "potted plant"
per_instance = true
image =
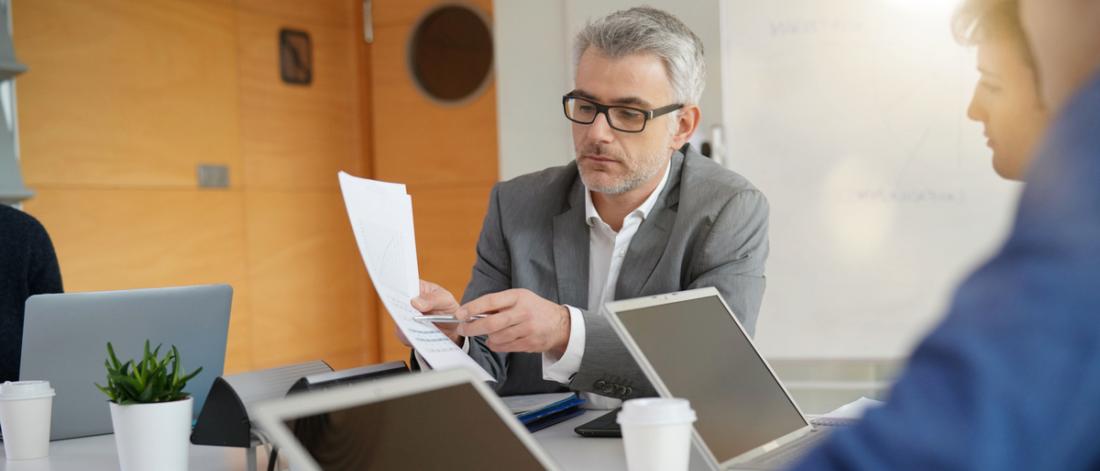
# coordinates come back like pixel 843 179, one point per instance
pixel 150 411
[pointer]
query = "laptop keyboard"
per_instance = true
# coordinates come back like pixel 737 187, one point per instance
pixel 788 453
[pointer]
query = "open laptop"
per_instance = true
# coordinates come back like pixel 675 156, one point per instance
pixel 690 345
pixel 432 420
pixel 65 342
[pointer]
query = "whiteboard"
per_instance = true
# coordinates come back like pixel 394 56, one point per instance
pixel 850 116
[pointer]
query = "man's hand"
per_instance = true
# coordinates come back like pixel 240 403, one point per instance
pixel 520 321
pixel 434 299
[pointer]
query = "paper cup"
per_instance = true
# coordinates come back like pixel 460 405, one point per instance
pixel 25 408
pixel 657 433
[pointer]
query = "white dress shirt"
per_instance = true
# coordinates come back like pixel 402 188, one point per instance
pixel 606 251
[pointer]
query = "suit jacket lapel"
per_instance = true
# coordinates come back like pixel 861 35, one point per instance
pixel 648 245
pixel 571 250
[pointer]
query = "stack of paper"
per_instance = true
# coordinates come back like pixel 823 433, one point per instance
pixel 381 218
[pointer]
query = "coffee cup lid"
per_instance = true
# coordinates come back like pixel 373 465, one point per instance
pixel 656 411
pixel 15 390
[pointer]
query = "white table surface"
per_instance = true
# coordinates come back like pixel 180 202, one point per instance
pixel 567 449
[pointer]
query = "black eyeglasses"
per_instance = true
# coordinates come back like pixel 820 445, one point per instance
pixel 621 118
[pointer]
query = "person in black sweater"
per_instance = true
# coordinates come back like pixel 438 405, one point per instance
pixel 28 266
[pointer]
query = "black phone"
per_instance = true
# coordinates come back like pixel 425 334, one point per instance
pixel 605 426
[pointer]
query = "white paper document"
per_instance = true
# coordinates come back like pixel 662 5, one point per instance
pixel 382 220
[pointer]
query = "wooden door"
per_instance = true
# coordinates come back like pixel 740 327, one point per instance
pixel 445 152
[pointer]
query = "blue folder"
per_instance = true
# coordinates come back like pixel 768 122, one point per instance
pixel 560 411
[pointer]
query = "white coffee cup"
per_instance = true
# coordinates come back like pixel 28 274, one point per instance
pixel 657 433
pixel 25 408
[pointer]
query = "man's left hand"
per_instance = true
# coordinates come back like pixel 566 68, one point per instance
pixel 518 321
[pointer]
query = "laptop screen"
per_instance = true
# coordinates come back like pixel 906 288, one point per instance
pixel 447 428
pixel 65 341
pixel 701 354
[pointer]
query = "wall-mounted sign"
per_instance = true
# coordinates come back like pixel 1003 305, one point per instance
pixel 295 57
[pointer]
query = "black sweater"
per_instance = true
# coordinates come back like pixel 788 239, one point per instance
pixel 28 266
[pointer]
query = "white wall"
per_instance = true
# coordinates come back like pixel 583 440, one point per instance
pixel 531 77
pixel 534 41
pixel 850 115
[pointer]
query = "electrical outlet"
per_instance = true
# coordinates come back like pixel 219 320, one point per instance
pixel 213 176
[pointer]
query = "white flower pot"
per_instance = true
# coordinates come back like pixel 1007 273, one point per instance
pixel 152 436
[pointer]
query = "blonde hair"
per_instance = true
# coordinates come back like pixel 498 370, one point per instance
pixel 979 20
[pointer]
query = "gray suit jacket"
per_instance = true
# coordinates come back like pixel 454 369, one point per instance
pixel 708 228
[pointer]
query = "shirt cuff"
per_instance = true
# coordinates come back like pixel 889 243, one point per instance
pixel 424 364
pixel 562 369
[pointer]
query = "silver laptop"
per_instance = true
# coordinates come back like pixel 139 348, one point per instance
pixel 65 342
pixel 690 345
pixel 431 420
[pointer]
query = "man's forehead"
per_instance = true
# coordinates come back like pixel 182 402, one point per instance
pixel 634 79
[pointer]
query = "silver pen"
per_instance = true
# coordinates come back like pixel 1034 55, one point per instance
pixel 447 318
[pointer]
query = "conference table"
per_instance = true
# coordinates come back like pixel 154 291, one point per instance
pixel 568 450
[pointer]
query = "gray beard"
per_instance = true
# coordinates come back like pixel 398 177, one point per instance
pixel 631 182
pixel 649 168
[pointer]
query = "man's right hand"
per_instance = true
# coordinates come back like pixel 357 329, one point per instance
pixel 435 299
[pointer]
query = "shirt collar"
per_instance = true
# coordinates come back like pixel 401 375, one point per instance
pixel 591 216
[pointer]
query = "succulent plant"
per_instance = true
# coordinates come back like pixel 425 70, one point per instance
pixel 149 380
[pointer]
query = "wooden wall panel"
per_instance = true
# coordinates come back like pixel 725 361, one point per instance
pixel 124 239
pixel 418 140
pixel 125 93
pixel 392 349
pixel 308 285
pixel 298 136
pixel 446 153
pixel 311 296
pixel 344 13
pixel 125 97
pixel 407 12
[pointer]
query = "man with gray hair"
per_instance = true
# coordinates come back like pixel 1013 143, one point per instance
pixel 638 212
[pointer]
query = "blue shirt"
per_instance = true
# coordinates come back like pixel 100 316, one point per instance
pixel 1010 380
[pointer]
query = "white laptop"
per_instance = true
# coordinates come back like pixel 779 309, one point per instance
pixel 690 345
pixel 65 342
pixel 432 420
